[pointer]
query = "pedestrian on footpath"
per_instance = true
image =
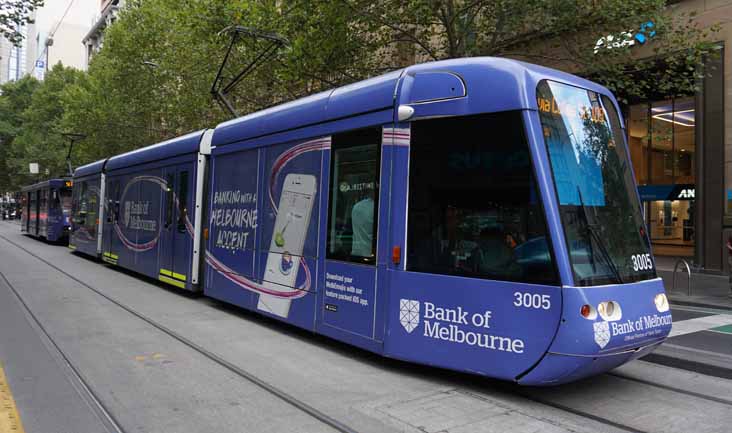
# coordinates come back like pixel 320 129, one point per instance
pixel 729 263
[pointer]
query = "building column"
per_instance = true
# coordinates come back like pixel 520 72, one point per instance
pixel 710 168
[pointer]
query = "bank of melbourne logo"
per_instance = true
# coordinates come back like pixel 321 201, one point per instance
pixel 602 333
pixel 409 314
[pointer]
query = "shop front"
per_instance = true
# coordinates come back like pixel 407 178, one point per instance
pixel 669 211
pixel 661 137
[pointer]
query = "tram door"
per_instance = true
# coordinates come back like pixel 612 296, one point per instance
pixel 112 217
pixel 27 210
pixel 37 213
pixel 177 233
pixel 349 287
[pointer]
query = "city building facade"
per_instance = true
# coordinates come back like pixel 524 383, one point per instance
pixel 12 59
pixel 56 35
pixel 682 154
pixel 107 15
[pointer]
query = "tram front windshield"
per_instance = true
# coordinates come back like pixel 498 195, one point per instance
pixel 598 201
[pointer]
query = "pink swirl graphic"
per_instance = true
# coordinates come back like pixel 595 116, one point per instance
pixel 134 246
pixel 279 163
pixel 253 286
pixel 287 156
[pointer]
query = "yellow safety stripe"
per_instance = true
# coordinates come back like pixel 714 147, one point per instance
pixel 175 275
pixel 72 247
pixel 108 260
pixel 111 256
pixel 169 280
pixel 9 416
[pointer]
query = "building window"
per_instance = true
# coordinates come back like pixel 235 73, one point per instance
pixel 661 138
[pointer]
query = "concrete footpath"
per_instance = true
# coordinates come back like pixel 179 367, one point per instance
pixel 701 338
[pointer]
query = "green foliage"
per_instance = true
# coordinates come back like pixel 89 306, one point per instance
pixel 13 14
pixel 152 80
pixel 16 97
pixel 36 134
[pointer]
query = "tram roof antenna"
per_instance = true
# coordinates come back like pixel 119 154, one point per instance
pixel 220 89
pixel 73 137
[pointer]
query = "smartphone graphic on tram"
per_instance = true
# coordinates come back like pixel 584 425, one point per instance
pixel 288 241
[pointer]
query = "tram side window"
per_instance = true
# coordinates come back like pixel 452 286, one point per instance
pixel 55 200
pixel 44 200
pixel 354 194
pixel 473 205
pixel 82 207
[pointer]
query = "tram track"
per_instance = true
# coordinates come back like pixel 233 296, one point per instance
pixel 271 389
pixel 528 394
pixel 719 400
pixel 547 402
pixel 81 384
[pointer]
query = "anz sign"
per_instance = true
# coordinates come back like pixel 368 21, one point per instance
pixel 646 31
pixel 687 193
pixel 667 192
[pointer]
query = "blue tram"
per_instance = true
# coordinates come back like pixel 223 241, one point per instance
pixel 47 209
pixel 474 214
pixel 87 208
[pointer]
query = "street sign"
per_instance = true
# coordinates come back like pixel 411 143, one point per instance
pixel 33 167
pixel 40 69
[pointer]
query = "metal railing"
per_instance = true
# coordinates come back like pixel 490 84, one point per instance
pixel 688 276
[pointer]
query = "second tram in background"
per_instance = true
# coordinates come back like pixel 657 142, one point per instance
pixel 477 214
pixel 46 209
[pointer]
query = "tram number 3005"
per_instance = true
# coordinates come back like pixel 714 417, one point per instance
pixel 642 262
pixel 532 300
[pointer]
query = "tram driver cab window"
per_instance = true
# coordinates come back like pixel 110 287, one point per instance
pixel 474 209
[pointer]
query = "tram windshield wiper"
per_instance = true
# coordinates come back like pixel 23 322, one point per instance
pixel 594 235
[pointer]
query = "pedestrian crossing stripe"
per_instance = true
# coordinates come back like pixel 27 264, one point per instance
pixel 9 416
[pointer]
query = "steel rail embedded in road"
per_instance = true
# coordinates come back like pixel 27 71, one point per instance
pixel 282 395
pixel 674 389
pixel 526 394
pixel 103 413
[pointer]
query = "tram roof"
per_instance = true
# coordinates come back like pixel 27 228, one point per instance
pixel 167 149
pixel 50 182
pixel 95 167
pixel 491 84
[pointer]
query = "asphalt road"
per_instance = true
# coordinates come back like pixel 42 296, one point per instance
pixel 110 327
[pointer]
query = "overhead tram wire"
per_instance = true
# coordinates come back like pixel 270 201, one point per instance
pixel 53 33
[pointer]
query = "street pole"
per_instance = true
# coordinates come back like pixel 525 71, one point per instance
pixel 49 42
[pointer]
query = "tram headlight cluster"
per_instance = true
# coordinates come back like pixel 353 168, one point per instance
pixel 608 310
pixel 661 302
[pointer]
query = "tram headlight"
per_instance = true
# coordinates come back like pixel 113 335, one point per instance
pixel 661 302
pixel 610 310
